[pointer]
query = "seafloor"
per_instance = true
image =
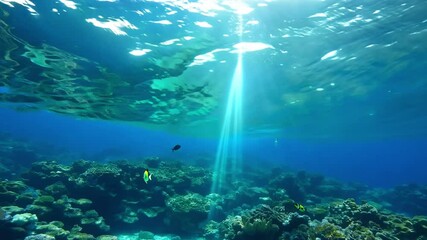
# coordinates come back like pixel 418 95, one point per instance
pixel 45 199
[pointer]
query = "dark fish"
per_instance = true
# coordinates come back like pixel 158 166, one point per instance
pixel 176 147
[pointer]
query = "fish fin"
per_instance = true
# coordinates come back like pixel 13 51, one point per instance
pixel 149 177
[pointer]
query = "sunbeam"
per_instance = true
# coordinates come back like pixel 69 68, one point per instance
pixel 229 155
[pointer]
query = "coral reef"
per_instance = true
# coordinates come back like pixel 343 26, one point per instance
pixel 91 200
pixel 408 199
pixel 344 220
pixel 302 186
pixel 77 199
pixel 262 222
pixel 186 212
pixel 16 156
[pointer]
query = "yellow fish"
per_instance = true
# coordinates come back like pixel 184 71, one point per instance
pixel 147 176
pixel 299 207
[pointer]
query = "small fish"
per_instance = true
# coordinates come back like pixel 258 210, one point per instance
pixel 176 147
pixel 299 207
pixel 147 176
pixel 276 142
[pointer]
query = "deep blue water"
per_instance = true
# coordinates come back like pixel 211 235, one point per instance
pixel 341 85
pixel 378 163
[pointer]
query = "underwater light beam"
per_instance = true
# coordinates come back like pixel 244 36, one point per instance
pixel 230 139
pixel 229 155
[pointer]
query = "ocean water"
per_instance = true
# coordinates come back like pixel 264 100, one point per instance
pixel 256 92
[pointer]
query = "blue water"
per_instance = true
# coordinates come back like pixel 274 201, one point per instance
pixel 339 84
pixel 385 163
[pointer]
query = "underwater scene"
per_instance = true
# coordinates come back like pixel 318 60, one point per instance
pixel 213 120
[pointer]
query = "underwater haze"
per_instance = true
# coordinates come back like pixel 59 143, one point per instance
pixel 288 111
